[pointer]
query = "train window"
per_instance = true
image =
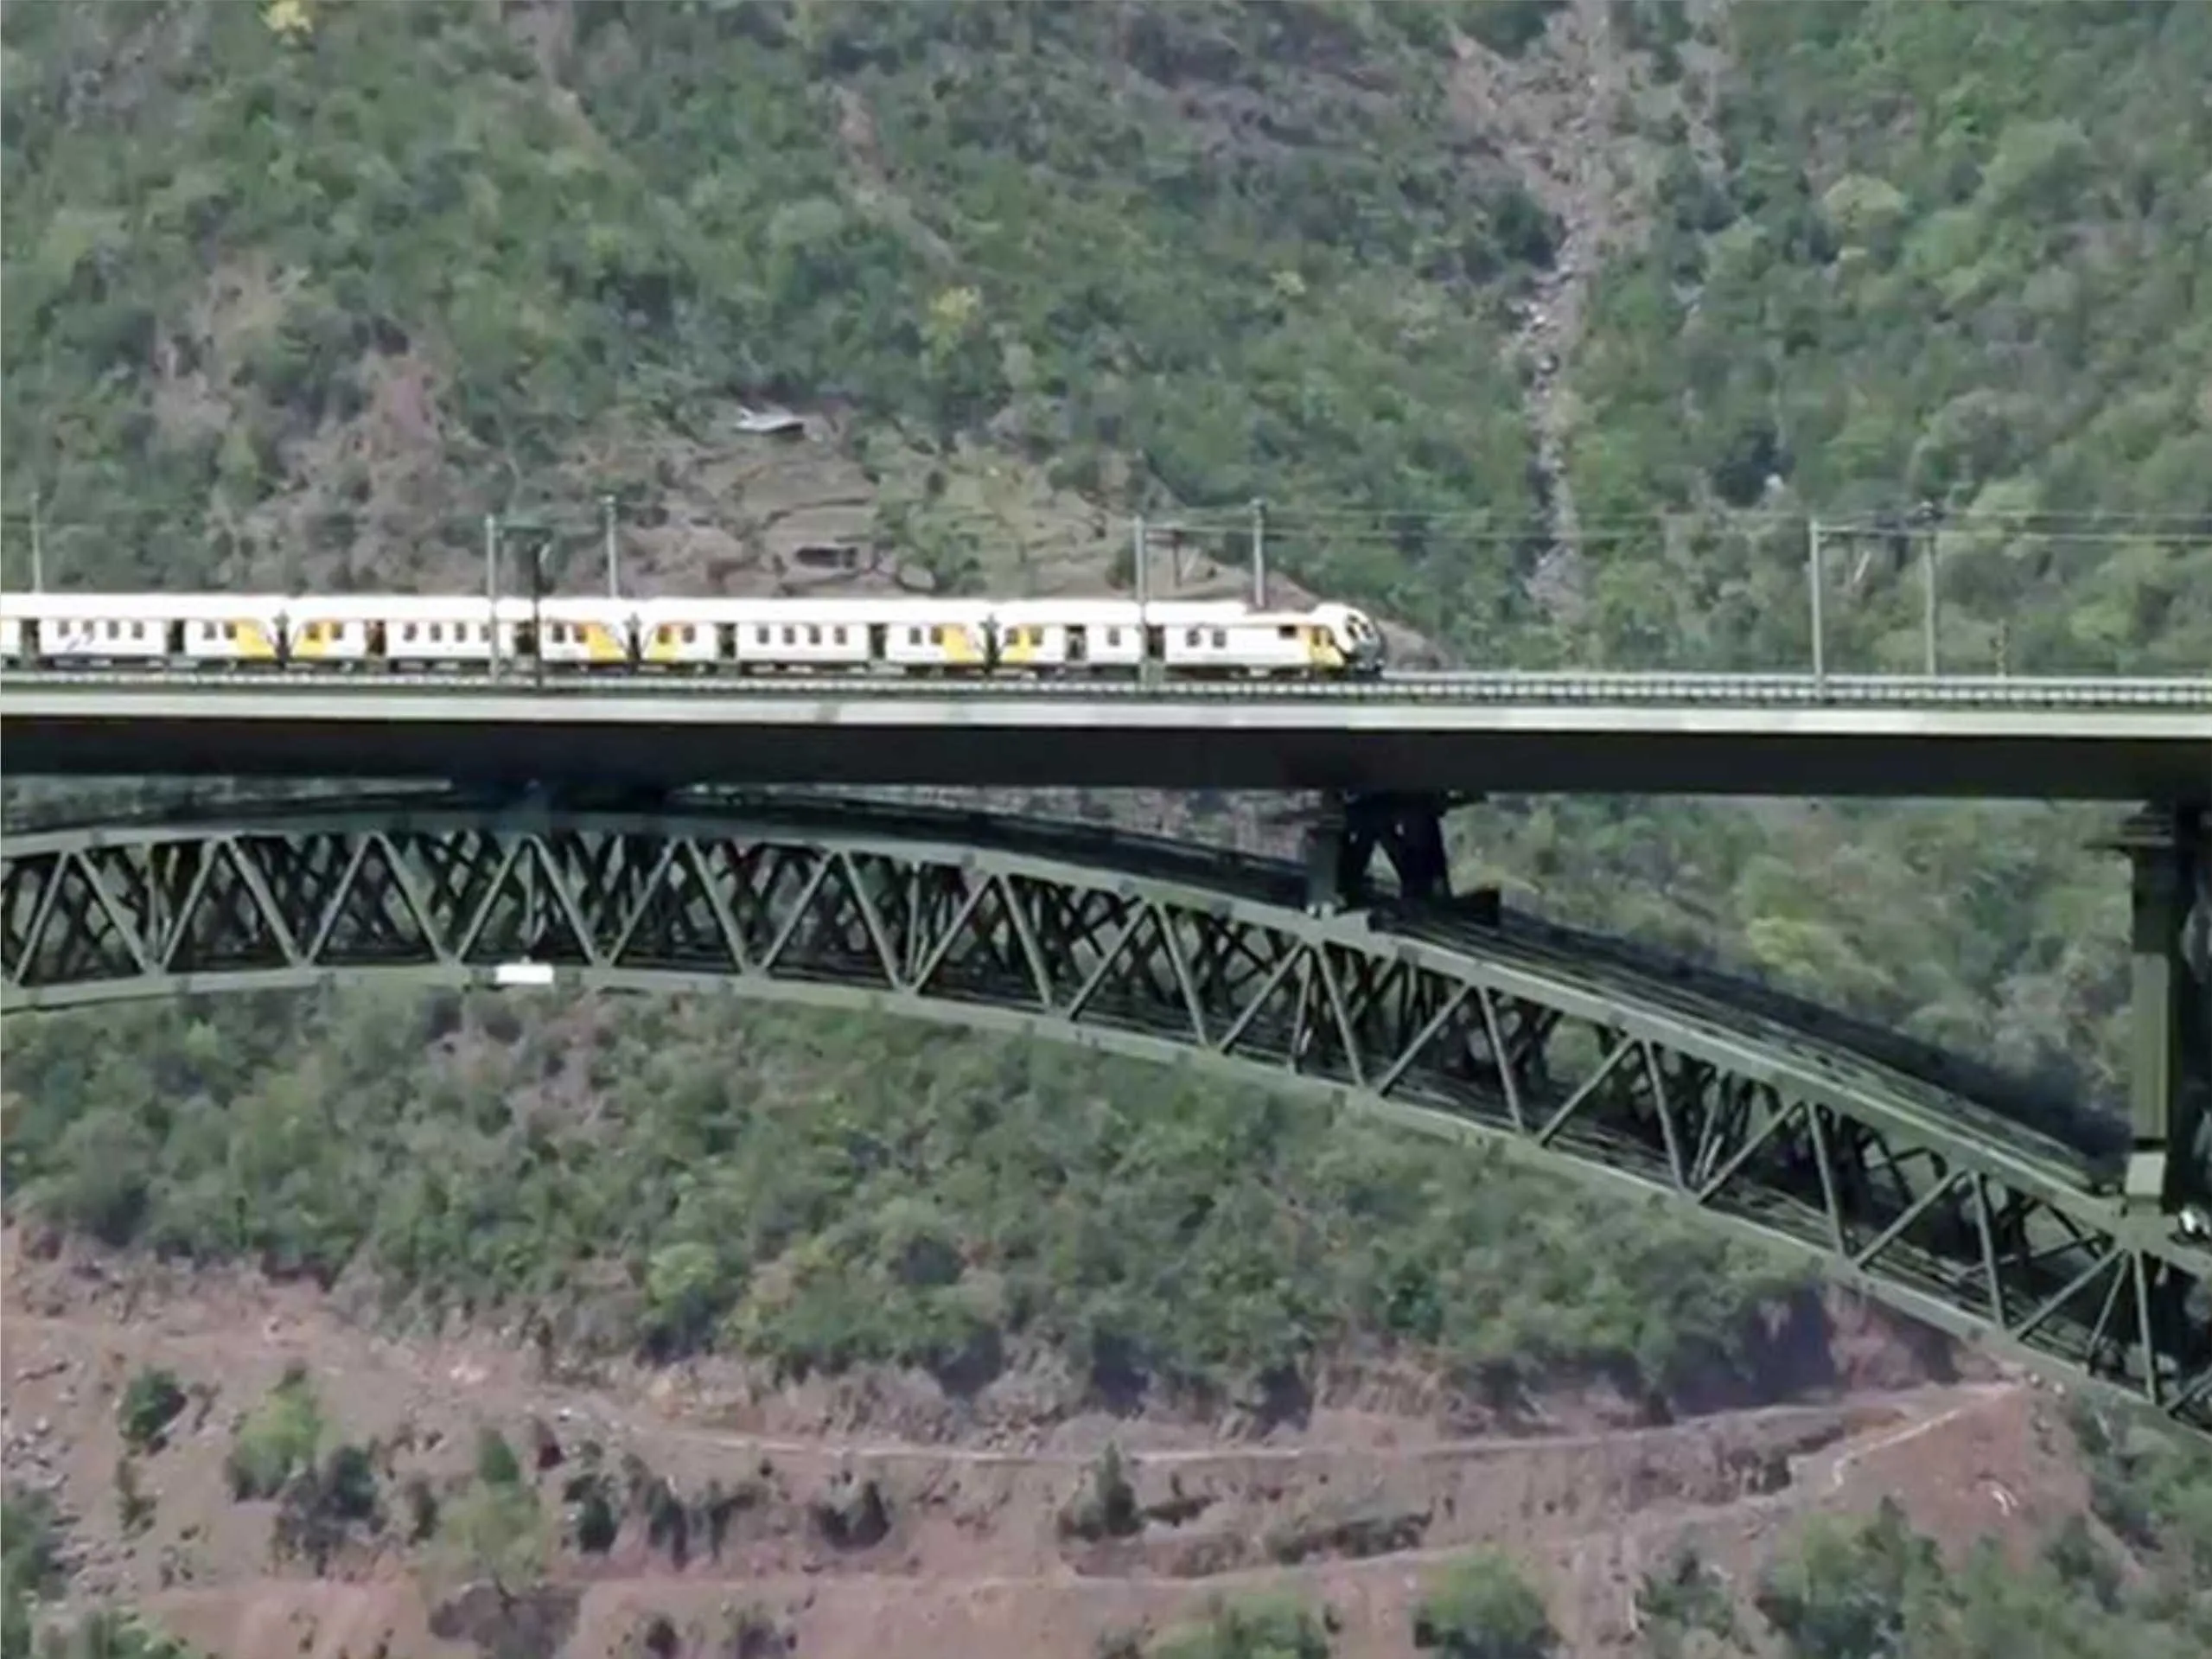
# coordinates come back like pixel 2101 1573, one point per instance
pixel 1191 637
pixel 790 635
pixel 761 634
pixel 1221 638
pixel 937 637
pixel 913 636
pixel 691 632
pixel 1113 637
pixel 230 630
pixel 408 632
pixel 839 636
pixel 813 637
pixel 1288 630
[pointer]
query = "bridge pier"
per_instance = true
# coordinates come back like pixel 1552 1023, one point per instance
pixel 2169 1081
pixel 1405 826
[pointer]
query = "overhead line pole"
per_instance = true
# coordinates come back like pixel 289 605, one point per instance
pixel 1928 617
pixel 613 555
pixel 1926 514
pixel 1258 554
pixel 1816 582
pixel 492 585
pixel 1140 553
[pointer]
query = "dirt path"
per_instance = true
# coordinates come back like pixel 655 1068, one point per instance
pixel 1358 1511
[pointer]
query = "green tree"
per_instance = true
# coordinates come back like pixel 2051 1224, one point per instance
pixel 1852 1595
pixel 1484 1608
pixel 1680 1601
pixel 1259 1629
pixel 496 1533
pixel 30 1563
pixel 114 1633
pixel 278 1438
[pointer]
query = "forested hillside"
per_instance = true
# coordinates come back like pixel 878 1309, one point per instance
pixel 297 292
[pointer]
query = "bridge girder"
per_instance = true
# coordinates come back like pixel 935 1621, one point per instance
pixel 1929 1199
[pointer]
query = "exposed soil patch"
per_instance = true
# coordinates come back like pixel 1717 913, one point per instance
pixel 675 1533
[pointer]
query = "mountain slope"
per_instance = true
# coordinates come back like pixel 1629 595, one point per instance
pixel 1542 328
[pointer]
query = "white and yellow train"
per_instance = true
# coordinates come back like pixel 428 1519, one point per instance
pixel 388 633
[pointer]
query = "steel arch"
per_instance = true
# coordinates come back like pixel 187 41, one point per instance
pixel 1936 1199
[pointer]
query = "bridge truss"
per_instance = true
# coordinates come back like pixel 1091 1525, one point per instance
pixel 1902 1174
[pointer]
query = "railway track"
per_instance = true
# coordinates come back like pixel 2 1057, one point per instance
pixel 1743 690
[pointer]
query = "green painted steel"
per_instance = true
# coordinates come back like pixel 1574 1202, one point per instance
pixel 1903 1173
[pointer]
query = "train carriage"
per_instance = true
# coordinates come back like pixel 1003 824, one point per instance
pixel 805 634
pixel 234 630
pixel 589 633
pixel 935 635
pixel 691 633
pixel 91 629
pixel 1232 640
pixel 1050 636
pixel 427 634
pixel 336 631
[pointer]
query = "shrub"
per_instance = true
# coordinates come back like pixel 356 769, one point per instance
pixel 278 1439
pixel 1483 1609
pixel 148 1406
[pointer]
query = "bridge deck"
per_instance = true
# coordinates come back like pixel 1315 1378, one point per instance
pixel 1680 735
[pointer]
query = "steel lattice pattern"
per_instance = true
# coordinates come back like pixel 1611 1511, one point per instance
pixel 1920 1196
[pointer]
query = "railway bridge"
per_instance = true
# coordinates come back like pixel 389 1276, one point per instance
pixel 488 834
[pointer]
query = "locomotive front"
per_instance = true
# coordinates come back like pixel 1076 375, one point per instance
pixel 1359 639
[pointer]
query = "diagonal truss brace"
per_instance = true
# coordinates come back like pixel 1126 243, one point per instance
pixel 1918 1196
